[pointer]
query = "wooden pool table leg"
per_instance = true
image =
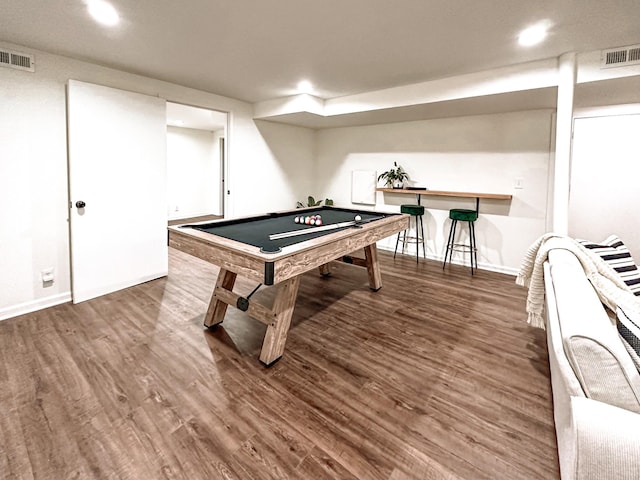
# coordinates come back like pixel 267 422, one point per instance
pixel 217 308
pixel 324 270
pixel 276 335
pixel 373 267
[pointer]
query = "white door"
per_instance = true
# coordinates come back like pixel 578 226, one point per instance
pixel 117 189
pixel 605 169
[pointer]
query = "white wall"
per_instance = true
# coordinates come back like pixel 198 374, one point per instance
pixel 270 167
pixel 193 173
pixel 483 153
pixel 33 169
pixel 294 171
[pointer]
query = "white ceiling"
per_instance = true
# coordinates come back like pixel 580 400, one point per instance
pixel 255 50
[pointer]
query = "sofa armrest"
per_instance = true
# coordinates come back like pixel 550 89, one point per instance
pixel 607 441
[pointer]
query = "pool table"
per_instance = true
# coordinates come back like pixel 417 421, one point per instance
pixel 243 247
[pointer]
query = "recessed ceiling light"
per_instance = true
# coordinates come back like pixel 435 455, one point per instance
pixel 103 12
pixel 533 35
pixel 305 86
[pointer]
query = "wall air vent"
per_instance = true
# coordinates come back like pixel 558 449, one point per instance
pixel 17 60
pixel 620 57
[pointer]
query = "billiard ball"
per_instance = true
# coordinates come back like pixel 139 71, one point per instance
pixel 318 222
pixel 312 221
pixel 296 219
pixel 307 220
pixel 357 218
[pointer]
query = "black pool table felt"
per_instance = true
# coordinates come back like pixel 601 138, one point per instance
pixel 255 231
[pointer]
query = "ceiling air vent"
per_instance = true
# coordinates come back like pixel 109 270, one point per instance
pixel 20 61
pixel 620 57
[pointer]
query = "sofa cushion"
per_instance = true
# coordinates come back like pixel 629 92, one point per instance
pixel 618 256
pixel 592 345
pixel 601 373
pixel 629 330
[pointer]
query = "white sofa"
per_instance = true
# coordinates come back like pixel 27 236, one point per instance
pixel 596 386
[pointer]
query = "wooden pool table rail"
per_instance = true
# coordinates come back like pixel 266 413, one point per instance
pixel 249 262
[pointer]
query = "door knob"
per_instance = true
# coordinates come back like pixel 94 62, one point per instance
pixel 80 204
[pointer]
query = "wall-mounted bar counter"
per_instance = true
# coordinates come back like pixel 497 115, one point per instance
pixel 444 193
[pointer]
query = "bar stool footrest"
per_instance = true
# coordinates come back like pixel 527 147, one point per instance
pixel 411 239
pixel 461 247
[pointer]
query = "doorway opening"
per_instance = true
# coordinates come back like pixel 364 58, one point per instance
pixel 196 163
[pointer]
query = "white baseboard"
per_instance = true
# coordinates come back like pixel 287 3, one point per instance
pixel 481 266
pixel 28 307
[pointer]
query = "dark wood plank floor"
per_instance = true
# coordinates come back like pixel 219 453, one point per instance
pixel 436 376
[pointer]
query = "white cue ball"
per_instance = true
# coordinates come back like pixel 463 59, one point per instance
pixel 357 218
pixel 296 220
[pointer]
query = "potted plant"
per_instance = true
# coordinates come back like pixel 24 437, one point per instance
pixel 395 176
pixel 311 202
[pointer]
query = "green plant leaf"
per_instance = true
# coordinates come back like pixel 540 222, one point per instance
pixel 312 202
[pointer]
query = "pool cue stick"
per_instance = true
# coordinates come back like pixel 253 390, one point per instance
pixel 303 231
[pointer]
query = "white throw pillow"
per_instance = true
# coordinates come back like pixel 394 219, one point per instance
pixel 617 256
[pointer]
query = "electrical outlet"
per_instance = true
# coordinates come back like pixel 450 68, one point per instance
pixel 518 183
pixel 47 276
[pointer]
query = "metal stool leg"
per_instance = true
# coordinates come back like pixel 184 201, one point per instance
pixel 446 252
pixel 415 224
pixel 424 252
pixel 450 241
pixel 453 240
pixel 474 248
pixel 404 238
pixel 470 246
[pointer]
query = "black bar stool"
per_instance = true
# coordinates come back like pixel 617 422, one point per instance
pixel 416 212
pixel 461 215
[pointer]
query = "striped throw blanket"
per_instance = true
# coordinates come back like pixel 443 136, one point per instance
pixel 611 289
